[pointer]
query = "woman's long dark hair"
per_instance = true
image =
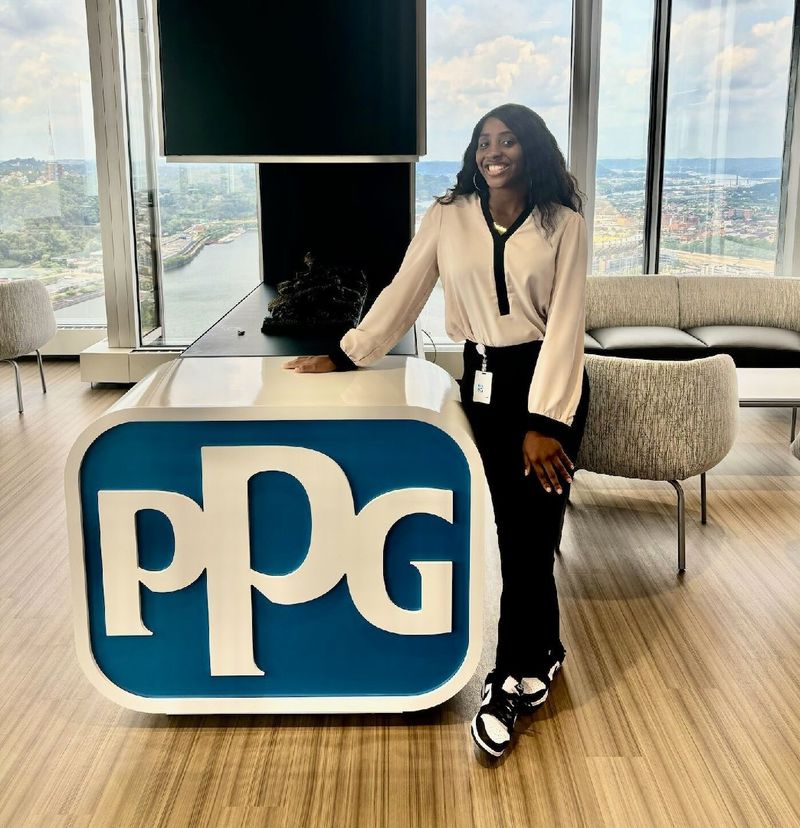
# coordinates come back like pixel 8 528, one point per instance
pixel 551 184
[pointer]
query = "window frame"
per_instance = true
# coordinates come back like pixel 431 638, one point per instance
pixel 103 20
pixel 115 187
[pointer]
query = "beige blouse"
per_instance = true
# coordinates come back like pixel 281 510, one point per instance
pixel 499 289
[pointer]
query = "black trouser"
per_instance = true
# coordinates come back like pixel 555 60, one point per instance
pixel 528 518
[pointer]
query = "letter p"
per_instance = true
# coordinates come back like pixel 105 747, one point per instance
pixel 120 558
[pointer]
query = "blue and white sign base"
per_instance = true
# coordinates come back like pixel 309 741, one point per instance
pixel 244 539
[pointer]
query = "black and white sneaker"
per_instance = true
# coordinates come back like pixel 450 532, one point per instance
pixel 494 722
pixel 535 689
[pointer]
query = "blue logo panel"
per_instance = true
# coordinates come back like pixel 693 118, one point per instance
pixel 321 647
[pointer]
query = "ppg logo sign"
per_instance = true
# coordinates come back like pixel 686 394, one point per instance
pixel 284 565
pixel 216 540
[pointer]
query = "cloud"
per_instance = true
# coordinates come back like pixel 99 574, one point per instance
pixel 625 59
pixel 34 17
pixel 462 89
pixel 771 28
pixel 44 66
pixel 733 60
pixel 15 104
pixel 454 28
pixel 728 83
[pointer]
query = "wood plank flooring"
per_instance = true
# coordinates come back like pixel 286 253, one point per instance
pixel 678 704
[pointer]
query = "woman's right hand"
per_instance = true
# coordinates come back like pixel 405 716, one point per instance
pixel 546 457
pixel 311 364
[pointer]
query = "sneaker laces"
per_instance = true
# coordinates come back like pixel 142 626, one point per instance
pixel 503 703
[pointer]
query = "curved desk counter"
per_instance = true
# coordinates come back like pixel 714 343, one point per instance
pixel 247 539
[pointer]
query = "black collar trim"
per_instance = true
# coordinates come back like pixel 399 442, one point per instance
pixel 518 221
pixel 499 250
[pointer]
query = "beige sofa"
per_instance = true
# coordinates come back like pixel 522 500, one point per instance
pixel 756 320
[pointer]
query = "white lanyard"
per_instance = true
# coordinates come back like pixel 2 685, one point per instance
pixel 481 349
pixel 482 389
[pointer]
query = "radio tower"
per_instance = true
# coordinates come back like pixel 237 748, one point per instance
pixel 52 165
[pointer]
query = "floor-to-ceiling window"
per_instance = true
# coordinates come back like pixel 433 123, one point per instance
pixel 49 220
pixel 727 70
pixel 726 110
pixel 209 243
pixel 479 56
pixel 623 113
pixel 196 224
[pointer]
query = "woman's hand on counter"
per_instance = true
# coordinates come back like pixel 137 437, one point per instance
pixel 311 364
pixel 546 456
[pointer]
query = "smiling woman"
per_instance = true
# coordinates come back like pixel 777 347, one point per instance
pixel 509 242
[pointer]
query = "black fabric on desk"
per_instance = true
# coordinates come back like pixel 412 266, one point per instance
pixel 222 339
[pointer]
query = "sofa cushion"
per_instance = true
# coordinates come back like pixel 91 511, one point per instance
pixel 739 300
pixel 752 346
pixel 649 342
pixel 590 344
pixel 632 300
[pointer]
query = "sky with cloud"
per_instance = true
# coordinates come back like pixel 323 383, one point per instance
pixel 44 76
pixel 727 95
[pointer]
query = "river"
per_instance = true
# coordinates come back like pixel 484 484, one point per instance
pixel 199 293
pixel 195 295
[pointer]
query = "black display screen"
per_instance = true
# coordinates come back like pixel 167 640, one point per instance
pixel 330 77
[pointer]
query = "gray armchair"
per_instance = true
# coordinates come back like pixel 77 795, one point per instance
pixel 27 322
pixel 660 420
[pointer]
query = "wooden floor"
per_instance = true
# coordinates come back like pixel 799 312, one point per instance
pixel 678 704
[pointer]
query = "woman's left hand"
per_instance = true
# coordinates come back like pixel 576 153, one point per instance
pixel 311 364
pixel 546 456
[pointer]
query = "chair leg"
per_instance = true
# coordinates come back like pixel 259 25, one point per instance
pixel 41 371
pixel 794 424
pixel 19 384
pixel 703 501
pixel 681 527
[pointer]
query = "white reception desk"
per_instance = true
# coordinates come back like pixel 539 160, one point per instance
pixel 247 539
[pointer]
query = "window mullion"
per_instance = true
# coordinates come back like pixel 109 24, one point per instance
pixel 788 252
pixel 149 71
pixel 656 134
pixel 584 92
pixel 113 177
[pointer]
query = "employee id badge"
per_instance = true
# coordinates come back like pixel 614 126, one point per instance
pixel 482 390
